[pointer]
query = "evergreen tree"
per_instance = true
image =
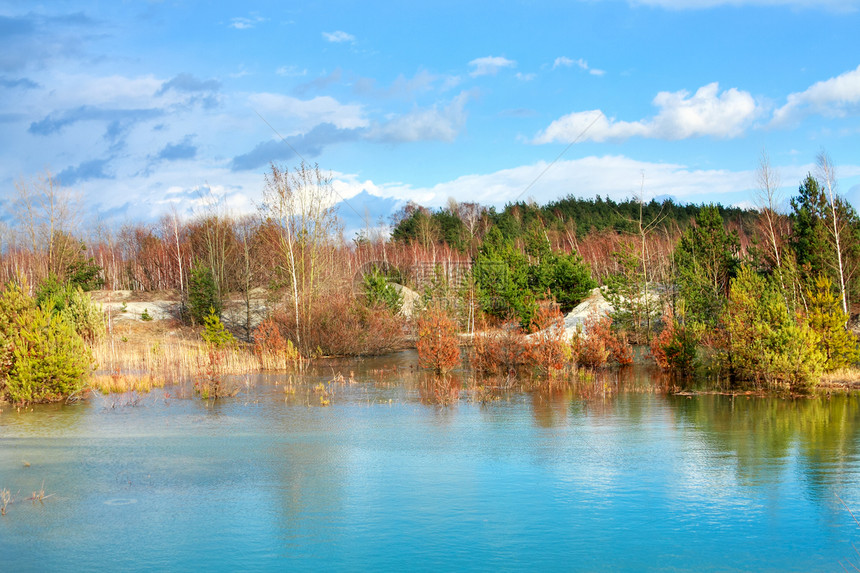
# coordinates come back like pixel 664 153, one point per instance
pixel 809 231
pixel 827 319
pixel 707 259
pixel 202 294
pixel 767 345
pixel 42 358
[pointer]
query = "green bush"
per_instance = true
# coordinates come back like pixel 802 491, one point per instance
pixel 75 305
pixel 43 359
pixel 85 315
pixel 378 291
pixel 214 332
pixel 829 321
pixel 767 344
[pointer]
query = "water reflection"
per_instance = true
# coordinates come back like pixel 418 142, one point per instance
pixel 605 471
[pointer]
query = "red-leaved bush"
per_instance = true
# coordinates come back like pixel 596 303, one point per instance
pixel 547 345
pixel 597 344
pixel 438 347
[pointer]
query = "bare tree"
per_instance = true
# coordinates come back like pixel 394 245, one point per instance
pixel 827 175
pixel 768 199
pixel 47 214
pixel 301 204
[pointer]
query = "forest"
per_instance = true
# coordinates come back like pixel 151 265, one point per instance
pixel 757 297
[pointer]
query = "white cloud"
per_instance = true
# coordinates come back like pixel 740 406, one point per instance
pixel 618 177
pixel 490 65
pixel 830 5
pixel 71 90
pixel 526 77
pixel 425 124
pixel 565 62
pixel 835 97
pixel 242 23
pixel 321 109
pixel 338 37
pixel 706 113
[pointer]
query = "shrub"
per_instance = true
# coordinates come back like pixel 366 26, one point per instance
pixel 51 294
pixel 210 382
pixel 86 274
pixel 214 332
pixel 341 324
pixel 379 292
pixel 43 359
pixel 86 316
pixel 273 350
pixel 75 305
pixel 766 343
pixel 505 351
pixel 438 348
pixel 595 344
pixel 548 349
pixel 675 348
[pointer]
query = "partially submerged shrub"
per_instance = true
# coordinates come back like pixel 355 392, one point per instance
pixel 504 351
pixel 210 382
pixel 675 348
pixel 595 344
pixel 548 349
pixel 273 350
pixel 344 325
pixel 438 347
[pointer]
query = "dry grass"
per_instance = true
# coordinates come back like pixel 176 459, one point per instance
pixel 137 357
pixel 5 499
pixel 842 378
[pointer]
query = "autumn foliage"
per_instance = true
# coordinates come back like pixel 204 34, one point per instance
pixel 596 344
pixel 502 351
pixel 438 348
pixel 548 348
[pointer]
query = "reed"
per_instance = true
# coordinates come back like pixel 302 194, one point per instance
pixel 140 366
pixel 5 499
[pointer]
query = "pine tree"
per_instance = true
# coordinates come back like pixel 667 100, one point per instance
pixel 707 260
pixel 828 320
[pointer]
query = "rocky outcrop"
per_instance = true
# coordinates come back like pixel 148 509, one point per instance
pixel 595 302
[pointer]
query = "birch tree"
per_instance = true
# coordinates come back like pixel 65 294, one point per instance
pixel 301 205
pixel 836 224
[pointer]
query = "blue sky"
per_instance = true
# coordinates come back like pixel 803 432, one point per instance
pixel 139 106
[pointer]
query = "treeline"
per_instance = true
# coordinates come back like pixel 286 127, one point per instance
pixel 762 296
pixel 567 221
pixel 748 289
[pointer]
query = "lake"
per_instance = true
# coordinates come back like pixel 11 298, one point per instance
pixel 612 474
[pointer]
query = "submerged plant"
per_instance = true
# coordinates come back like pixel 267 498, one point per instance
pixel 595 344
pixel 5 499
pixel 438 347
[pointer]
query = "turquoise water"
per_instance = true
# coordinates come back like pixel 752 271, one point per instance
pixel 385 479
